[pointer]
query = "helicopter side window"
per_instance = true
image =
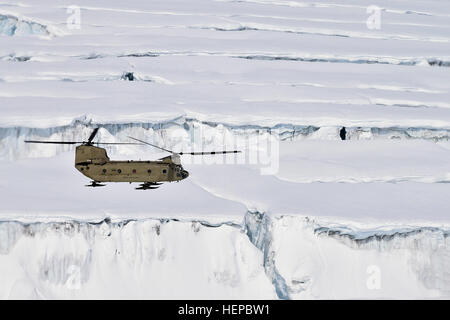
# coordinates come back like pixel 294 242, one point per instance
pixel 149 171
pixel 119 171
pixel 164 171
pixel 134 170
pixel 104 170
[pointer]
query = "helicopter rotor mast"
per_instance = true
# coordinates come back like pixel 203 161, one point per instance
pixel 92 136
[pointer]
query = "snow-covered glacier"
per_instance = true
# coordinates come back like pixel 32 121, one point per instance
pixel 368 217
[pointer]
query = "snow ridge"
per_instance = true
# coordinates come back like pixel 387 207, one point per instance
pixel 439 62
pixel 435 61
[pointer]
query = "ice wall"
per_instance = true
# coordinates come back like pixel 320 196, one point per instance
pixel 129 259
pixel 327 260
pixel 286 257
pixel 185 133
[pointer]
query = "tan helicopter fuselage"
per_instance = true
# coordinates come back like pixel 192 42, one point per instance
pixel 94 163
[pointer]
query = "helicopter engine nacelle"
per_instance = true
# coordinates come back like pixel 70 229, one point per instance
pixel 174 158
pixel 90 155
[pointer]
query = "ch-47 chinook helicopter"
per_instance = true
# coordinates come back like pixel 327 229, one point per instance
pixel 94 163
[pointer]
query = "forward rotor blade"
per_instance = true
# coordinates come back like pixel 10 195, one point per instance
pixel 53 142
pixel 170 151
pixel 210 152
pixel 190 153
pixel 130 143
pixel 92 136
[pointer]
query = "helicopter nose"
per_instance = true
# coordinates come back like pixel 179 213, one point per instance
pixel 184 174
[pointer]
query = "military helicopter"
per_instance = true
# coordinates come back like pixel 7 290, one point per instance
pixel 94 163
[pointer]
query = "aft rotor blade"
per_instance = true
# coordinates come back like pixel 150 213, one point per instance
pixel 92 136
pixel 170 151
pixel 209 152
pixel 80 142
pixel 53 142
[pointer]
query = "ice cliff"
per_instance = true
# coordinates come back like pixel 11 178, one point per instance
pixel 265 256
pixel 11 25
pixel 186 132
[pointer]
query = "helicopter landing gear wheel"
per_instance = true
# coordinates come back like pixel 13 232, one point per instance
pixel 148 185
pixel 95 184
